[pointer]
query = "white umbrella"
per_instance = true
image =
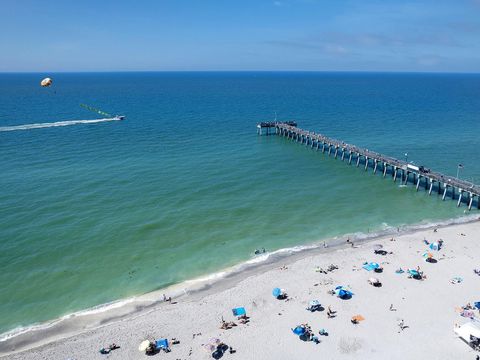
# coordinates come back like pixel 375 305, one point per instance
pixel 209 347
pixel 378 246
pixel 373 280
pixel 144 345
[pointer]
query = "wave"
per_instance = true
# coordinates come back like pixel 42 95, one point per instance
pixel 192 286
pixel 55 124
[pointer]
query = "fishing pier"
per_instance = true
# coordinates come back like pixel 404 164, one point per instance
pixel 444 185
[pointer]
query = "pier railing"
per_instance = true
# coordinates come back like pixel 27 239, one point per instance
pixel 445 185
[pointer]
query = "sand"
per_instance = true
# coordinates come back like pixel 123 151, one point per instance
pixel 427 307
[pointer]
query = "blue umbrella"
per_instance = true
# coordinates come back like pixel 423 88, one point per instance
pixel 299 330
pixel 343 293
pixel 240 311
pixel 413 272
pixel 434 246
pixel 374 265
pixel 277 292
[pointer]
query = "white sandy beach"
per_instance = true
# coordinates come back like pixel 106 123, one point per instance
pixel 429 308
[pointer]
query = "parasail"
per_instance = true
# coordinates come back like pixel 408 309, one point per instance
pixel 46 82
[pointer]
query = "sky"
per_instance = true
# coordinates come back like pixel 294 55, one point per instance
pixel 231 35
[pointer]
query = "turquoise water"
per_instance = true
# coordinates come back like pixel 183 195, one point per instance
pixel 185 187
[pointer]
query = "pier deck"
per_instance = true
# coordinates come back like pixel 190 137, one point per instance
pixel 445 185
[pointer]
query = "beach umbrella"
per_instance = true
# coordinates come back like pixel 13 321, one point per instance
pixel 46 82
pixel 239 311
pixel 314 303
pixel 210 347
pixel 434 246
pixel 299 330
pixel 374 265
pixel 278 292
pixel 413 272
pixel 378 246
pixel 373 280
pixel 144 345
pixel 215 341
pixel 358 318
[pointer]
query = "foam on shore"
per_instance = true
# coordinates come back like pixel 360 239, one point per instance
pixel 101 315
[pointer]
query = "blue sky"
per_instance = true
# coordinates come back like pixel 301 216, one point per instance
pixel 312 35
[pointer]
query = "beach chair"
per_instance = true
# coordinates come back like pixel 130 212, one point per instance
pixel 314 305
pixel 162 344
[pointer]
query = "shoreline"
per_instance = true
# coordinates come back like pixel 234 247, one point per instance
pixel 104 315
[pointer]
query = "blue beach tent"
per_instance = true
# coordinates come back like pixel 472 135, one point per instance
pixel 161 344
pixel 240 311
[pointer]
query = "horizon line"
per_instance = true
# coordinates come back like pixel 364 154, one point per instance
pixel 243 71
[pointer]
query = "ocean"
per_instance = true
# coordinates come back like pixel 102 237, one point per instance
pixel 183 187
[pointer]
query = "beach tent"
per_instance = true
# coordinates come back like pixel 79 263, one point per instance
pixel 299 330
pixel 240 311
pixel 161 344
pixel 466 330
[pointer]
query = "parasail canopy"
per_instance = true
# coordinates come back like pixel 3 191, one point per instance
pixel 46 82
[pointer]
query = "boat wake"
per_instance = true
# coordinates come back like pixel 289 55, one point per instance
pixel 58 123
